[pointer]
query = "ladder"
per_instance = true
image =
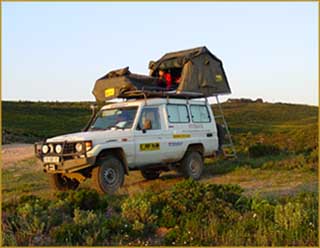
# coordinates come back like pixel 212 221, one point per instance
pixel 228 148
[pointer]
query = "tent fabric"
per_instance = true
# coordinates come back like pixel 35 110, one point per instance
pixel 117 82
pixel 201 71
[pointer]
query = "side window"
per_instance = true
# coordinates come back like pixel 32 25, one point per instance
pixel 178 113
pixel 149 119
pixel 200 113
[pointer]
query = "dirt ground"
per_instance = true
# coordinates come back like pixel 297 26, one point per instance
pixel 253 181
pixel 13 153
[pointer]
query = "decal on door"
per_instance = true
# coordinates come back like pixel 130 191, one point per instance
pixel 181 136
pixel 150 147
pixel 176 143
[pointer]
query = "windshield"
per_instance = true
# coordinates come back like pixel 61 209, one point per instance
pixel 121 118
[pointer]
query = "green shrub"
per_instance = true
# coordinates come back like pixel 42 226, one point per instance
pixel 313 159
pixel 197 212
pixel 138 212
pixel 192 213
pixel 87 228
pixel 84 199
pixel 138 208
pixel 259 150
pixel 299 161
pixel 29 223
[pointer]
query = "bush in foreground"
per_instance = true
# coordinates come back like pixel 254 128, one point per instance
pixel 190 213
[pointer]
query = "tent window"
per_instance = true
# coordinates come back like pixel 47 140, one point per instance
pixel 174 74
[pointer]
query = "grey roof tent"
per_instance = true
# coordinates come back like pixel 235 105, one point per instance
pixel 200 71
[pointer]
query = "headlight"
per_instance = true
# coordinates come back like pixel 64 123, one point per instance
pixel 58 148
pixel 79 147
pixel 88 145
pixel 45 149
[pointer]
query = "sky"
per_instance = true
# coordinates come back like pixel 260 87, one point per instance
pixel 56 51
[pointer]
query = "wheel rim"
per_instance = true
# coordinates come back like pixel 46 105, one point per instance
pixel 110 176
pixel 195 167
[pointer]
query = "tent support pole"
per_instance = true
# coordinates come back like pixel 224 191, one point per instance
pixel 145 98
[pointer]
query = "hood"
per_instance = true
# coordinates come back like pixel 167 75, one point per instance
pixel 97 137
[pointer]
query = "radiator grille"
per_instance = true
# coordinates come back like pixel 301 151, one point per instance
pixel 69 148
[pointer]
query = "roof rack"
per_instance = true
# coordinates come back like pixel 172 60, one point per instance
pixel 145 93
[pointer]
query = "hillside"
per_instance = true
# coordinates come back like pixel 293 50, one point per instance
pixel 32 121
pixel 289 124
pixel 267 197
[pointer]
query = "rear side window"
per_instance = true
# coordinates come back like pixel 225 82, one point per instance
pixel 178 113
pixel 200 113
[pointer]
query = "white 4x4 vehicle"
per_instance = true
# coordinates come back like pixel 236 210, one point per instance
pixel 151 135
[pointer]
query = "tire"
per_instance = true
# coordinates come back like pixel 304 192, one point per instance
pixel 61 183
pixel 108 176
pixel 150 174
pixel 192 165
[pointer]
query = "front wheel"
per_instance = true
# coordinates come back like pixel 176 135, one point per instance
pixel 192 165
pixel 108 176
pixel 63 183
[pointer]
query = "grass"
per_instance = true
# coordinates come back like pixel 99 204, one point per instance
pixel 252 175
pixel 24 178
pixel 27 177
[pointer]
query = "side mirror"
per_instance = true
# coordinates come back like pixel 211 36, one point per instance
pixel 141 128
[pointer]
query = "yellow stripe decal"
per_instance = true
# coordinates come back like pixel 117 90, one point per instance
pixel 181 136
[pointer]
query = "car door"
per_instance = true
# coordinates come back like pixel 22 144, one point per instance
pixel 147 136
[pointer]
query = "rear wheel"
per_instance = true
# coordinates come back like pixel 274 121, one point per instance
pixel 108 176
pixel 63 183
pixel 192 165
pixel 150 174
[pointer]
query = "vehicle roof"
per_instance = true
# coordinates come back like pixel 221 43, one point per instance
pixel 152 101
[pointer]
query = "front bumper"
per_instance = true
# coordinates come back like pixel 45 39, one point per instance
pixel 67 161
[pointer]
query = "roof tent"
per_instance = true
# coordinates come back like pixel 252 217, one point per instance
pixel 200 74
pixel 116 83
pixel 199 71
